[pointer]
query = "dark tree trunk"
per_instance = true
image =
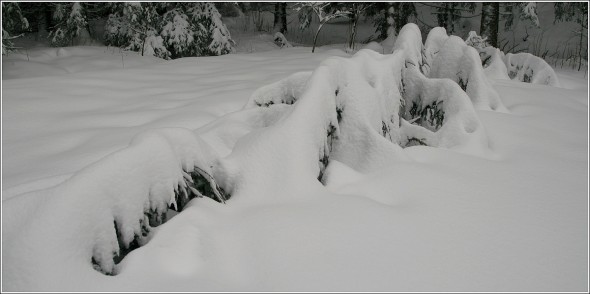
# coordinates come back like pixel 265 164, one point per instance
pixel 494 24
pixel 490 21
pixel 353 24
pixel 276 15
pixel 283 14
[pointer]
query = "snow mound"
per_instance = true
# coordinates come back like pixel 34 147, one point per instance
pixel 375 46
pixel 528 68
pixel 285 91
pixel 461 63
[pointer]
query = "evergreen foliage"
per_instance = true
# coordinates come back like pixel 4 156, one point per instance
pixel 169 30
pixel 13 22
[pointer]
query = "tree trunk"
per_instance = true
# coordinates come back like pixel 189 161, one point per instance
pixel 494 24
pixel 42 24
pixel 315 38
pixel 580 49
pixel 352 36
pixel 276 15
pixel 283 14
pixel 490 20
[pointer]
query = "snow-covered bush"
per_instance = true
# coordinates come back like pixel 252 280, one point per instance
pixel 462 64
pixel 476 41
pixel 492 60
pixel 409 41
pixel 117 201
pixel 281 40
pixel 438 113
pixel 434 41
pixel 528 68
pixel 360 104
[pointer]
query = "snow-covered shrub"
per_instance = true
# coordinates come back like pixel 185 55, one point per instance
pixel 437 113
pixel 528 68
pixel 434 41
pixel 476 41
pixel 281 40
pixel 462 64
pixel 409 41
pixel 492 60
pixel 118 200
pixel 353 109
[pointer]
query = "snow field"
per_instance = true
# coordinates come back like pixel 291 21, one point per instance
pixel 493 205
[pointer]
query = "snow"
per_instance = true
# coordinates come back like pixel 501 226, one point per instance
pixel 461 63
pixel 86 144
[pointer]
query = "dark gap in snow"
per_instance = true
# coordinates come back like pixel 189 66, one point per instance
pixel 415 142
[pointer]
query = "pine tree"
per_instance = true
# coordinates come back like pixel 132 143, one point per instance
pixel 169 30
pixel 71 21
pixel 391 17
pixel 449 13
pixel 13 22
pixel 216 39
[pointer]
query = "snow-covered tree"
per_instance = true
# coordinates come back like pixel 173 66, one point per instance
pixel 71 21
pixel 13 22
pixel 216 39
pixel 390 17
pixel 143 22
pixel 169 30
pixel 178 33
